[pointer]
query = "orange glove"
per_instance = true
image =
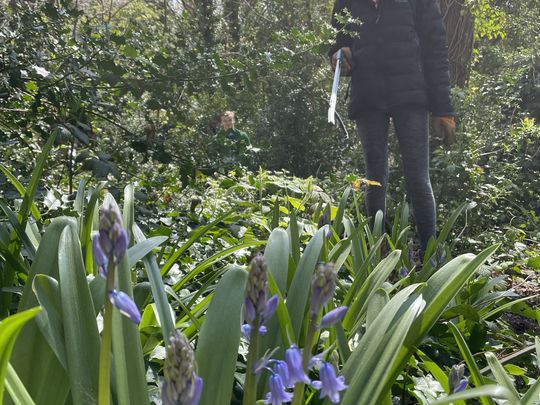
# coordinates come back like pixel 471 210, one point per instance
pixel 445 127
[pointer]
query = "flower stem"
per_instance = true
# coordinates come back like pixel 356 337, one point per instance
pixel 104 393
pixel 250 385
pixel 298 398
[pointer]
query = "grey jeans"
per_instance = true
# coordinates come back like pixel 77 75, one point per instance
pixel 411 125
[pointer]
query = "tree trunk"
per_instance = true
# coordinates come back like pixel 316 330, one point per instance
pixel 460 31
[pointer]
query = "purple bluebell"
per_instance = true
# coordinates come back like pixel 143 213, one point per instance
pixel 181 386
pixel 125 305
pixel 403 271
pixel 281 369
pixel 293 358
pixel 323 285
pixel 277 394
pixel 112 238
pixel 257 307
pixel 456 381
pixel 99 257
pixel 246 330
pixel 329 384
pixel 333 317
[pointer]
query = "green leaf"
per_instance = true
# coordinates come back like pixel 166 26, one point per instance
pixel 502 377
pixel 276 255
pixel 532 396
pixel 20 188
pixel 158 288
pixel 142 248
pixel 80 327
pixel 299 290
pixel 49 320
pixel 219 338
pixel 338 219
pixel 48 383
pixel 16 389
pixel 9 330
pixel 476 376
pixel 494 391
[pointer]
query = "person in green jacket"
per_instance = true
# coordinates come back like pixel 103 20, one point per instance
pixel 231 146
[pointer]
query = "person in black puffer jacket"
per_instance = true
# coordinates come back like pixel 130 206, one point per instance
pixel 397 58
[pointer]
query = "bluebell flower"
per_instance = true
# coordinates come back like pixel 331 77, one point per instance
pixel 323 286
pixel 181 386
pixel 277 394
pixel 257 307
pixel 125 305
pixel 281 369
pixel 456 381
pixel 111 243
pixel 333 317
pixel 99 257
pixel 403 272
pixel 293 358
pixel 329 384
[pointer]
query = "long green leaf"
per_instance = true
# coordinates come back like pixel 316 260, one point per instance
pixel 143 247
pixel 9 330
pixel 158 288
pixel 476 376
pixel 338 219
pixel 502 378
pixel 219 338
pixel 533 394
pixel 19 230
pixel 379 347
pixel 86 229
pixel 494 391
pixel 49 320
pixel 16 389
pixel 299 290
pixel 276 255
pixel 80 326
pixel 48 383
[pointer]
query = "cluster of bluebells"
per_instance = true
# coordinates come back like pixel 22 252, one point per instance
pixel 286 374
pixel 257 307
pixel 181 386
pixel 109 247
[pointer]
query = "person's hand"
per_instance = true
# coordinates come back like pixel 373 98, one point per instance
pixel 445 127
pixel 346 66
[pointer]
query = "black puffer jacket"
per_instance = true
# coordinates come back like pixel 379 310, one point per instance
pixel 400 55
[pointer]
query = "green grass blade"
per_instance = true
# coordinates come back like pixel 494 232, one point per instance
pixel 219 338
pixel 299 290
pixel 80 327
pixel 476 376
pixel 294 237
pixel 19 231
pixel 532 396
pixel 86 230
pixel 9 330
pixel 143 247
pixel 16 389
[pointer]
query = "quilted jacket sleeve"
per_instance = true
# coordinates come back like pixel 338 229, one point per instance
pixel 432 35
pixel 342 39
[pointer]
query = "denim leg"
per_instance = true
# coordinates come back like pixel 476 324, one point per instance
pixel 373 131
pixel 411 124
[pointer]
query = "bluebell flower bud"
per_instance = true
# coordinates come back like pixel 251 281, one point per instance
pixel 125 305
pixel 281 369
pixel 181 386
pixel 329 384
pixel 333 317
pixel 112 238
pixel 323 286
